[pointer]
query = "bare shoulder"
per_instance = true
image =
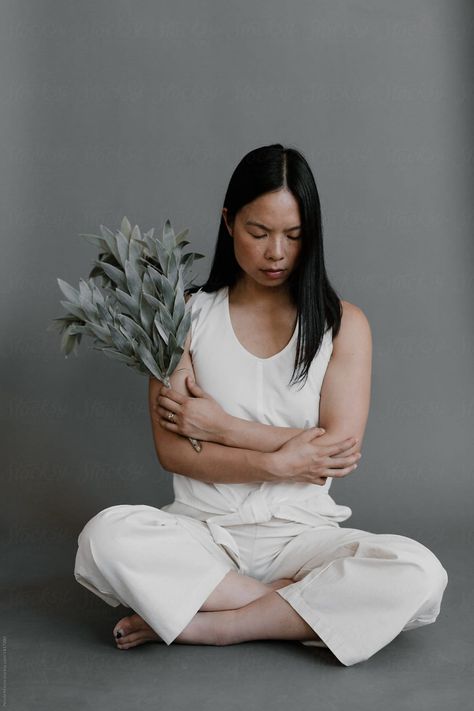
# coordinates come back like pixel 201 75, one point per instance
pixel 355 331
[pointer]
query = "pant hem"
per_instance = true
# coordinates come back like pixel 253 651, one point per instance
pixel 200 595
pixel 329 636
pixel 106 597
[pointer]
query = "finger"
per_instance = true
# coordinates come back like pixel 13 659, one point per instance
pixel 341 472
pixel 164 413
pixel 168 425
pixel 352 450
pixel 339 462
pixel 172 394
pixel 193 386
pixel 339 447
pixel 168 404
pixel 310 433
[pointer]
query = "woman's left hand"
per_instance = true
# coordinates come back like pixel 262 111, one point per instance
pixel 198 416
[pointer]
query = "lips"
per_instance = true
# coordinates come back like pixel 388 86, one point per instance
pixel 274 273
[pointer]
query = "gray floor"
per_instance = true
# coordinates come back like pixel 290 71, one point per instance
pixel 58 653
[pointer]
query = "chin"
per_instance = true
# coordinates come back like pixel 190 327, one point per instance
pixel 273 283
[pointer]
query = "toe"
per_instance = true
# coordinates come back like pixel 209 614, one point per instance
pixel 128 624
pixel 135 639
pixel 123 627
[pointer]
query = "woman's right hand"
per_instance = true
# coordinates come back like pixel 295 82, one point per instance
pixel 303 459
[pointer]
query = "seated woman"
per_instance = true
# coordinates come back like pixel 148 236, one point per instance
pixel 252 547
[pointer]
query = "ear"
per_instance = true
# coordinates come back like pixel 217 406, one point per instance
pixel 224 215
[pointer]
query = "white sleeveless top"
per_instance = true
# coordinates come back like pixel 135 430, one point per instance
pixel 254 389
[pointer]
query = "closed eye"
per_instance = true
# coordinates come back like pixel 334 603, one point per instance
pixel 289 236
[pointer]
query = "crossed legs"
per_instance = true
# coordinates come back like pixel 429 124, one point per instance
pixel 239 609
pixel 393 582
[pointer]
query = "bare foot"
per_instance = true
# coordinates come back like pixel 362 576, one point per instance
pixel 134 631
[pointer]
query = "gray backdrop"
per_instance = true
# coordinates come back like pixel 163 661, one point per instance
pixel 143 109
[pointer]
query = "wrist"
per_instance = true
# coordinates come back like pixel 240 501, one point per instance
pixel 271 466
pixel 225 431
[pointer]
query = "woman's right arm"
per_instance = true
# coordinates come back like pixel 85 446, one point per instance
pixel 215 462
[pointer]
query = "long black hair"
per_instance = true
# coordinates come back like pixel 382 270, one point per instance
pixel 263 170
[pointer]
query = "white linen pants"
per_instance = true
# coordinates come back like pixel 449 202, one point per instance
pixel 358 590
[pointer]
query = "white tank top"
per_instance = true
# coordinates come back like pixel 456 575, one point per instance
pixel 254 389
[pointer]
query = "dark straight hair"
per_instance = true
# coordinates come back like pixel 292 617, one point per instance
pixel 261 171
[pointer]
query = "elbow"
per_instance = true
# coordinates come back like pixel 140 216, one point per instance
pixel 165 458
pixel 170 451
pixel 162 453
pixel 163 445
pixel 168 455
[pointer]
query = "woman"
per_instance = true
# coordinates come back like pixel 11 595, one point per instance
pixel 251 547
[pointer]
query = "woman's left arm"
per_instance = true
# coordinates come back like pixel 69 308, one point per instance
pixel 343 406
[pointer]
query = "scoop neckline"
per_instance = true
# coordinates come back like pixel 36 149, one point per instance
pixel 241 347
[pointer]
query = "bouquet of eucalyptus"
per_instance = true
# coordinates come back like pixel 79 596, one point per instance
pixel 137 313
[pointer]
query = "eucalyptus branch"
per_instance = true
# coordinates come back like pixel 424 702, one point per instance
pixel 137 313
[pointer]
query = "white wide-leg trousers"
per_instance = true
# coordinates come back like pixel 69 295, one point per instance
pixel 358 590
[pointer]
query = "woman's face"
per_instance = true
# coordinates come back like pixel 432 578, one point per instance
pixel 267 237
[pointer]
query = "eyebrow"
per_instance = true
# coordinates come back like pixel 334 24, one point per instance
pixel 259 224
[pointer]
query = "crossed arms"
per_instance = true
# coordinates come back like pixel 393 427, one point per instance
pixel 236 450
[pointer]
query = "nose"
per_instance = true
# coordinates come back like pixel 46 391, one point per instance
pixel 275 249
